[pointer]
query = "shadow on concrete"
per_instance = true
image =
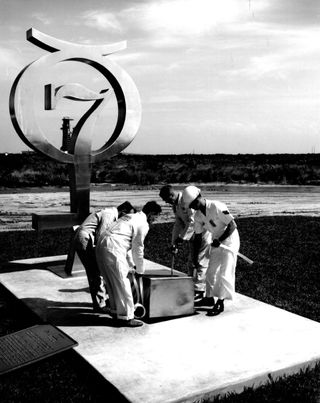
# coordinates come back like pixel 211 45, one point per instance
pixel 67 313
pixel 79 313
pixel 151 321
pixel 15 267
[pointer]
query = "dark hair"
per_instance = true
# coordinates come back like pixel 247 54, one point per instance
pixel 165 191
pixel 126 207
pixel 151 207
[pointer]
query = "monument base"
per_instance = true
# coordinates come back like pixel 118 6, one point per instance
pixel 190 358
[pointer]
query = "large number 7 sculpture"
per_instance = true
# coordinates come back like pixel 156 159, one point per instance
pixel 23 109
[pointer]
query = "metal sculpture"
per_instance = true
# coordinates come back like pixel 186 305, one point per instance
pixel 80 156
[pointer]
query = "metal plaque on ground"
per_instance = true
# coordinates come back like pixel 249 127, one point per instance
pixel 30 345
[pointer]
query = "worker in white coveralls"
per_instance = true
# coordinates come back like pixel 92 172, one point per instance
pixel 183 232
pixel 215 217
pixel 128 233
pixel 86 237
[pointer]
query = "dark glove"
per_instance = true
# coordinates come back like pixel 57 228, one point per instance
pixel 179 241
pixel 215 243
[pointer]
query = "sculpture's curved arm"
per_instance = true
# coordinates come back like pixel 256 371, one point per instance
pixel 51 44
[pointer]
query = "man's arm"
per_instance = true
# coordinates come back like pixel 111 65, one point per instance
pixel 130 259
pixel 184 226
pixel 198 229
pixel 176 231
pixel 228 231
pixel 137 248
pixel 188 229
pixel 196 248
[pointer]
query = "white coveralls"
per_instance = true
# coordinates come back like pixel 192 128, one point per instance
pixel 184 228
pixel 220 279
pixel 85 239
pixel 114 262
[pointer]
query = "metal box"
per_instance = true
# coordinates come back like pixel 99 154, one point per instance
pixel 166 295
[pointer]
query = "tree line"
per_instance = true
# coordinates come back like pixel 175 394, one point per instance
pixel 33 169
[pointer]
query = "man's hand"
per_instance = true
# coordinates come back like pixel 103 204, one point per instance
pixel 195 264
pixel 215 243
pixel 174 249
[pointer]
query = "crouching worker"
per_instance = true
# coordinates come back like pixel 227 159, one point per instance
pixel 215 217
pixel 84 241
pixel 114 262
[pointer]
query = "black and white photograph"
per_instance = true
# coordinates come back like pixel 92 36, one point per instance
pixel 159 201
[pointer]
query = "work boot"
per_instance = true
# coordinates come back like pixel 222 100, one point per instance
pixel 103 307
pixel 217 309
pixel 198 295
pixel 129 323
pixel 133 323
pixel 206 301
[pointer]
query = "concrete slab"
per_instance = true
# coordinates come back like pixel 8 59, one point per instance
pixel 178 360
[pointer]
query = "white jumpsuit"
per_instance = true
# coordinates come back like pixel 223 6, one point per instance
pixel 125 235
pixel 85 240
pixel 220 279
pixel 184 228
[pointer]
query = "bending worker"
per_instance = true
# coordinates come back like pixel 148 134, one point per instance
pixel 85 239
pixel 128 233
pixel 183 232
pixel 215 217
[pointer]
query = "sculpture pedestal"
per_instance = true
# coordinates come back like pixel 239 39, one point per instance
pixel 157 362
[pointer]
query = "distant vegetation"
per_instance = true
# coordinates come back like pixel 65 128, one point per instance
pixel 33 169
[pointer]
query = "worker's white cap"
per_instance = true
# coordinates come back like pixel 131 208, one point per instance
pixel 189 194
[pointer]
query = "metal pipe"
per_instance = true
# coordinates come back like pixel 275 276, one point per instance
pixel 238 253
pixel 139 311
pixel 172 264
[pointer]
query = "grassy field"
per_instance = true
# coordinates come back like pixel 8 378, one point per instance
pixel 285 274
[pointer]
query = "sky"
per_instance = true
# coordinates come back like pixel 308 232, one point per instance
pixel 214 76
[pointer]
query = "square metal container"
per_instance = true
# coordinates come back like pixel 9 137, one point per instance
pixel 168 296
